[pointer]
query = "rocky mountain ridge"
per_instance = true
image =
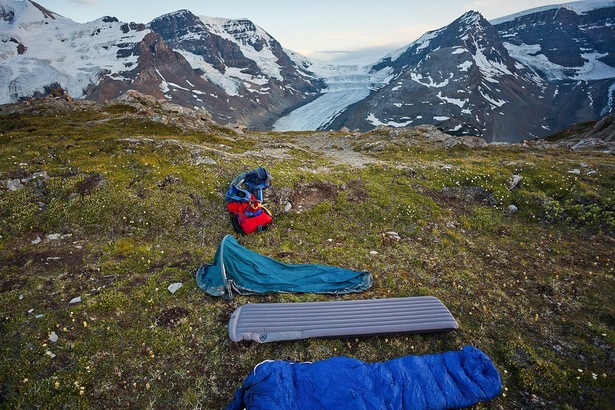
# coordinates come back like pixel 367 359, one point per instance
pixel 344 145
pixel 230 68
pixel 519 78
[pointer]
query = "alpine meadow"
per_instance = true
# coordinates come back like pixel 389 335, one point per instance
pixel 475 166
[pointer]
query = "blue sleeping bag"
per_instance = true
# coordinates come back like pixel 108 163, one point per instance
pixel 450 380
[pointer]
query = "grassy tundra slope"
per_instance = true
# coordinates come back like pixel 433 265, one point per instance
pixel 113 203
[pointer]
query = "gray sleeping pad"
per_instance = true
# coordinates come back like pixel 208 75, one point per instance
pixel 270 322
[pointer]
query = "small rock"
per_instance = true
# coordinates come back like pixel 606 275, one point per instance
pixel 13 185
pixel 447 167
pixel 373 253
pixel 53 236
pixel 37 175
pixel 20 297
pixel 575 171
pixel 50 354
pixel 36 241
pixel 53 337
pixel 392 235
pixel 40 315
pixel 512 208
pixel 513 182
pixel 288 207
pixel 173 287
pixel 75 300
pixel 199 160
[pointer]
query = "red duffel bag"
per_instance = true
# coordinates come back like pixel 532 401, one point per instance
pixel 248 217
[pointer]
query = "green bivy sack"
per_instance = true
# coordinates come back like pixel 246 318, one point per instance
pixel 238 270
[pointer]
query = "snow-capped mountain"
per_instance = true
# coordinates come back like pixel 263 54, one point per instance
pixel 572 49
pixel 522 76
pixel 231 68
pixel 40 49
pixel 257 78
pixel 517 77
pixel 459 77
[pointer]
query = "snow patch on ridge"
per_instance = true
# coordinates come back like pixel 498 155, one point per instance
pixel 531 56
pixel 372 119
pixel 579 7
pixel 427 82
pixel 264 59
pixel 455 101
pixel 489 67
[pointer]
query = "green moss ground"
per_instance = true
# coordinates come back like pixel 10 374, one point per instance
pixel 533 289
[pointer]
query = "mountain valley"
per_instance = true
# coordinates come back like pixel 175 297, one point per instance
pixel 516 78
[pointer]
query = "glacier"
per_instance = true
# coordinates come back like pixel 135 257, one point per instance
pixel 345 85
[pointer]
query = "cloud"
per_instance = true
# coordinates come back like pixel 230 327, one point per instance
pixel 347 35
pixel 361 56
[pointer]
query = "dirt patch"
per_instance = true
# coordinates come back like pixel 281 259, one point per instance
pixel 90 183
pixel 460 199
pixel 357 191
pixel 306 196
pixel 47 275
pixel 67 259
pixel 172 317
pixel 338 149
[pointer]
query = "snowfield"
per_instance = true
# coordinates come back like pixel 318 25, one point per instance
pixel 74 55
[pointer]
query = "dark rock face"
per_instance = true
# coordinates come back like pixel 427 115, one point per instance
pixel 563 35
pixel 519 79
pixel 258 101
pixel 7 15
pixel 185 31
pixel 460 78
pixel 164 74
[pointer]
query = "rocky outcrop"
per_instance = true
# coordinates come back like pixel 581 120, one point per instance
pixel 604 129
pixel 601 137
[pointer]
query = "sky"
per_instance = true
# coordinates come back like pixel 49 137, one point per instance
pixel 327 30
